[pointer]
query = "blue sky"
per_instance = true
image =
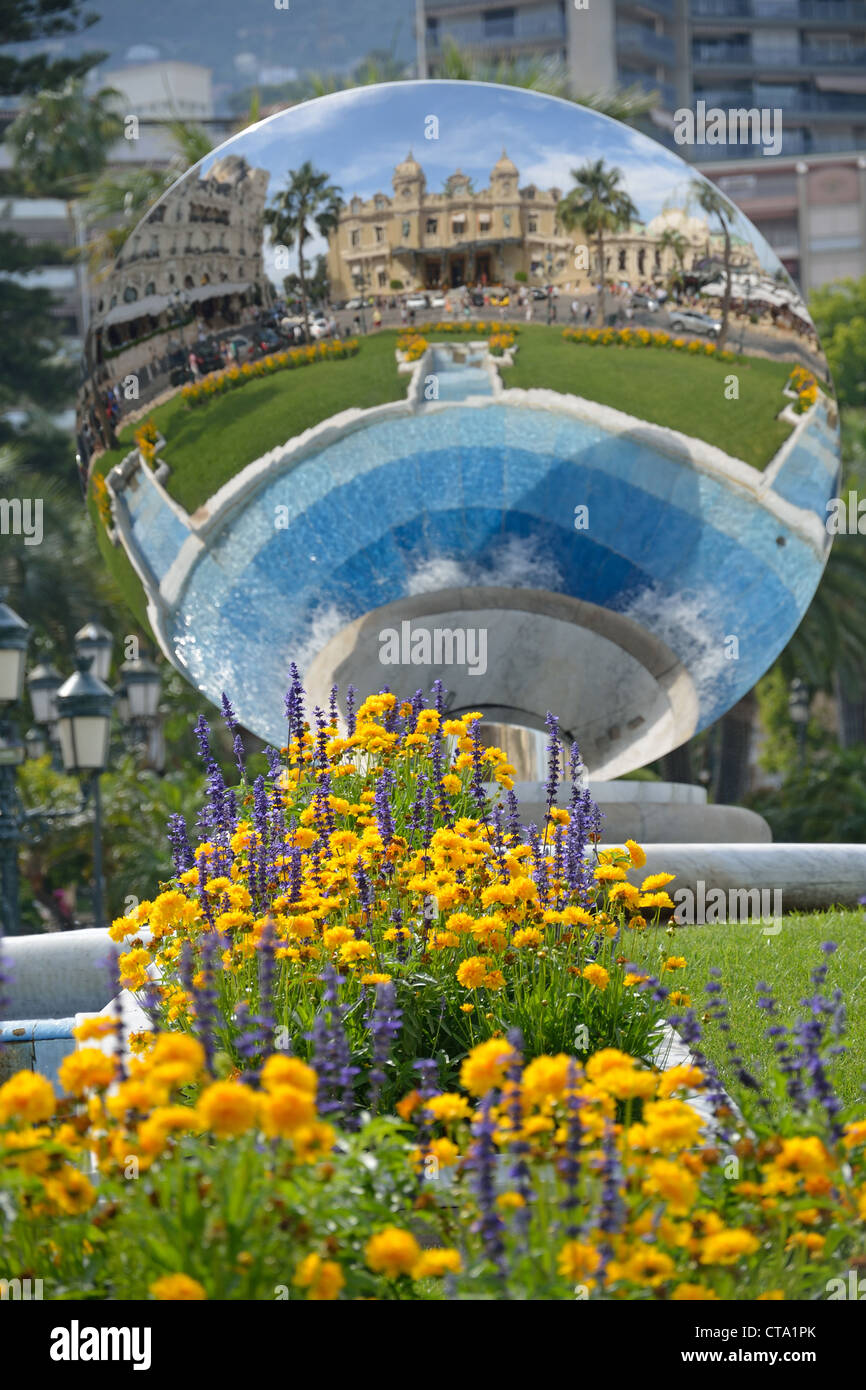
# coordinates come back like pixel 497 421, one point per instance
pixel 359 135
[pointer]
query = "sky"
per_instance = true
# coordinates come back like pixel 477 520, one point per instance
pixel 358 136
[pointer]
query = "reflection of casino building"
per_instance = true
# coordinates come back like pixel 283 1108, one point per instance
pixel 456 237
pixel 198 253
pixel 462 236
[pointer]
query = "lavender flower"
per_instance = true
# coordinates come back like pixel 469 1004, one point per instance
pixel 489 1224
pixel 384 1028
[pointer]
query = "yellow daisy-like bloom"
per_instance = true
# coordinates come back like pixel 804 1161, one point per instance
pixel 176 1058
pixel 693 1293
pixel 227 1108
pixel 436 1262
pixel 577 1261
pixel 472 972
pixel 178 1288
pixel 685 1077
pixel 654 881
pixel 334 937
pixel 609 873
pixel 728 1246
pixel 803 1155
pixel 494 979
pixel 675 963
pixel 355 950
pixel 527 936
pixel 636 854
pixel 546 1077
pixel 510 1201
pixel 85 1070
pixel 854 1134
pixel 655 900
pixel 673 1184
pixel 448 1106
pixel 392 1252
pixel 597 976
pixel 451 783
pixel 27 1096
pixel 323 1279
pixel 285 1110
pixel 280 1070
pixel 646 1266
pixel 671 1125
pixel 485 1066
pixel 375 979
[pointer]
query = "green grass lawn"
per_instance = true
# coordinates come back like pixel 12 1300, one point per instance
pixel 666 387
pixel 208 444
pixel 746 957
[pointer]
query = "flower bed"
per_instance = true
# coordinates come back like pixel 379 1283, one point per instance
pixel 644 337
pixel 803 386
pixel 217 383
pixel 400 1052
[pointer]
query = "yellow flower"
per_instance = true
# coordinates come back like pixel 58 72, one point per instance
pixel 375 979
pixel 451 783
pixel 27 1096
pixel 675 963
pixel 494 979
pixel 228 1108
pixel 436 1262
pixel 448 1106
pixel 285 1109
pixel 673 1184
pixel 577 1260
pixel 510 1201
pixel 174 1288
pixel 654 881
pixel 355 950
pixel 727 1246
pixel 323 1279
pixel 87 1069
pixel 609 873
pixel 485 1066
pixel 392 1252
pixel 636 854
pixel 472 972
pixel 280 1070
pixel 693 1293
pixel 176 1058
pixel 685 1077
pixel 527 936
pixel 597 976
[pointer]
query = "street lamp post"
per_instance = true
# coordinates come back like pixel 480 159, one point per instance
pixel 84 730
pixel 14 636
pixel 798 709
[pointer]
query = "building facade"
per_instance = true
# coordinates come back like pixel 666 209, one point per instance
pixel 198 253
pixel 503 234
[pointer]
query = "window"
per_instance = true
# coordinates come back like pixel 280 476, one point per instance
pixel 432 226
pixel 383 279
pixel 498 24
pixel 484 222
pixel 641 261
pixel 130 295
pixel 533 224
pixel 355 237
pixel 150 287
pixel 380 233
pixel 620 260
pixel 406 226
pixel 458 225
pixel 379 201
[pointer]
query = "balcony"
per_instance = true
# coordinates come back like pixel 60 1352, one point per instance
pixel 787 12
pixel 637 43
pixel 665 8
pixel 794 102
